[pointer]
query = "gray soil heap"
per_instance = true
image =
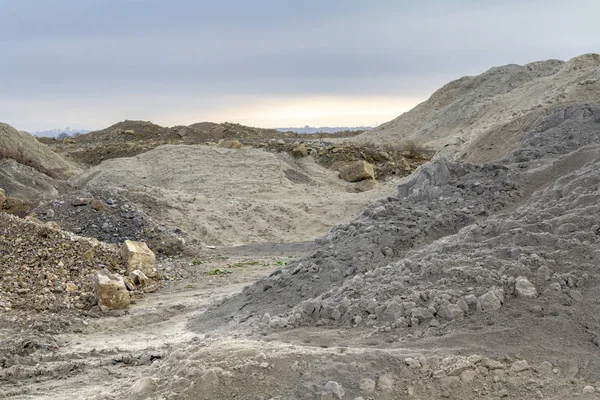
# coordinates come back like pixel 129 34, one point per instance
pixel 507 251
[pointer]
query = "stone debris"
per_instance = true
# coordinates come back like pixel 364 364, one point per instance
pixel 45 268
pixel 458 247
pixel 109 217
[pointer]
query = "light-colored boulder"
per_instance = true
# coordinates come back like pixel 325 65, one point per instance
pixel 2 197
pixel 300 151
pixel 139 278
pixel 357 171
pixel 111 292
pixel 229 144
pixel 490 301
pixel 524 288
pixel 138 256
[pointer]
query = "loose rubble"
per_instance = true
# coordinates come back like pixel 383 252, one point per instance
pixel 520 231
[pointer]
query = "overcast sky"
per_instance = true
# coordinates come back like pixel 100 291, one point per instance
pixel 91 63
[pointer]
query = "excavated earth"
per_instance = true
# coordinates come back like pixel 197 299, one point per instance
pixel 472 281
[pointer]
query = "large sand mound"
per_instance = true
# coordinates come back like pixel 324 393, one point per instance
pixel 232 197
pixel 470 108
pixel 25 149
pixel 492 257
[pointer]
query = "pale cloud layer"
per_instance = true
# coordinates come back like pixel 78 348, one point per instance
pixel 88 63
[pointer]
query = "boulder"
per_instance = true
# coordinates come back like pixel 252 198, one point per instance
pixel 138 256
pixel 490 301
pixel 2 198
pixel 82 201
pixel 111 291
pixel 524 288
pixel 365 186
pixel 139 278
pixel 300 151
pixel 357 171
pixel 229 144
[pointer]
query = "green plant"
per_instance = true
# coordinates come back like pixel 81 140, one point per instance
pixel 218 272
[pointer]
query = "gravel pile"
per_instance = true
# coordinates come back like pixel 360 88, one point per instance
pixel 460 246
pixel 43 268
pixel 109 217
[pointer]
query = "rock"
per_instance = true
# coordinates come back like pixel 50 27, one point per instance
pixel 492 364
pixel 142 389
pixel 139 278
pixel 367 385
pixel 49 213
pixel 138 256
pixel 357 171
pixel 229 144
pixel 545 368
pixel 365 186
pixel 451 312
pixel 519 366
pixel 111 291
pixel 524 288
pixel 385 383
pixel 70 287
pixel 334 389
pixel 588 390
pixel 2 197
pixel 458 368
pixel 300 151
pixel 89 254
pixel 52 225
pixel 99 205
pixel 489 301
pixel 266 319
pixel 82 201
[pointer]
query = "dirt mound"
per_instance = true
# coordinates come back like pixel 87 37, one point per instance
pixel 25 149
pixel 46 269
pixel 507 250
pixel 231 197
pixel 470 108
pixel 129 138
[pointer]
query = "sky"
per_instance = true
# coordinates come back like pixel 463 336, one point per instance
pixel 267 63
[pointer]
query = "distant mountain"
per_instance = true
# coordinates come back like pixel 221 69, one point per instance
pixel 58 131
pixel 324 129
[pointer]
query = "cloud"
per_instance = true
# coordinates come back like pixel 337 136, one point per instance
pixel 87 52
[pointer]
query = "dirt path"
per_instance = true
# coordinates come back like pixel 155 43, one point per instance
pixel 106 355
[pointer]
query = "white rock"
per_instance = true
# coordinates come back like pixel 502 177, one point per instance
pixel 524 288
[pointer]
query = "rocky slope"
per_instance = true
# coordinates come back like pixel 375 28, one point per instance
pixel 25 149
pixel 466 111
pixel 492 257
